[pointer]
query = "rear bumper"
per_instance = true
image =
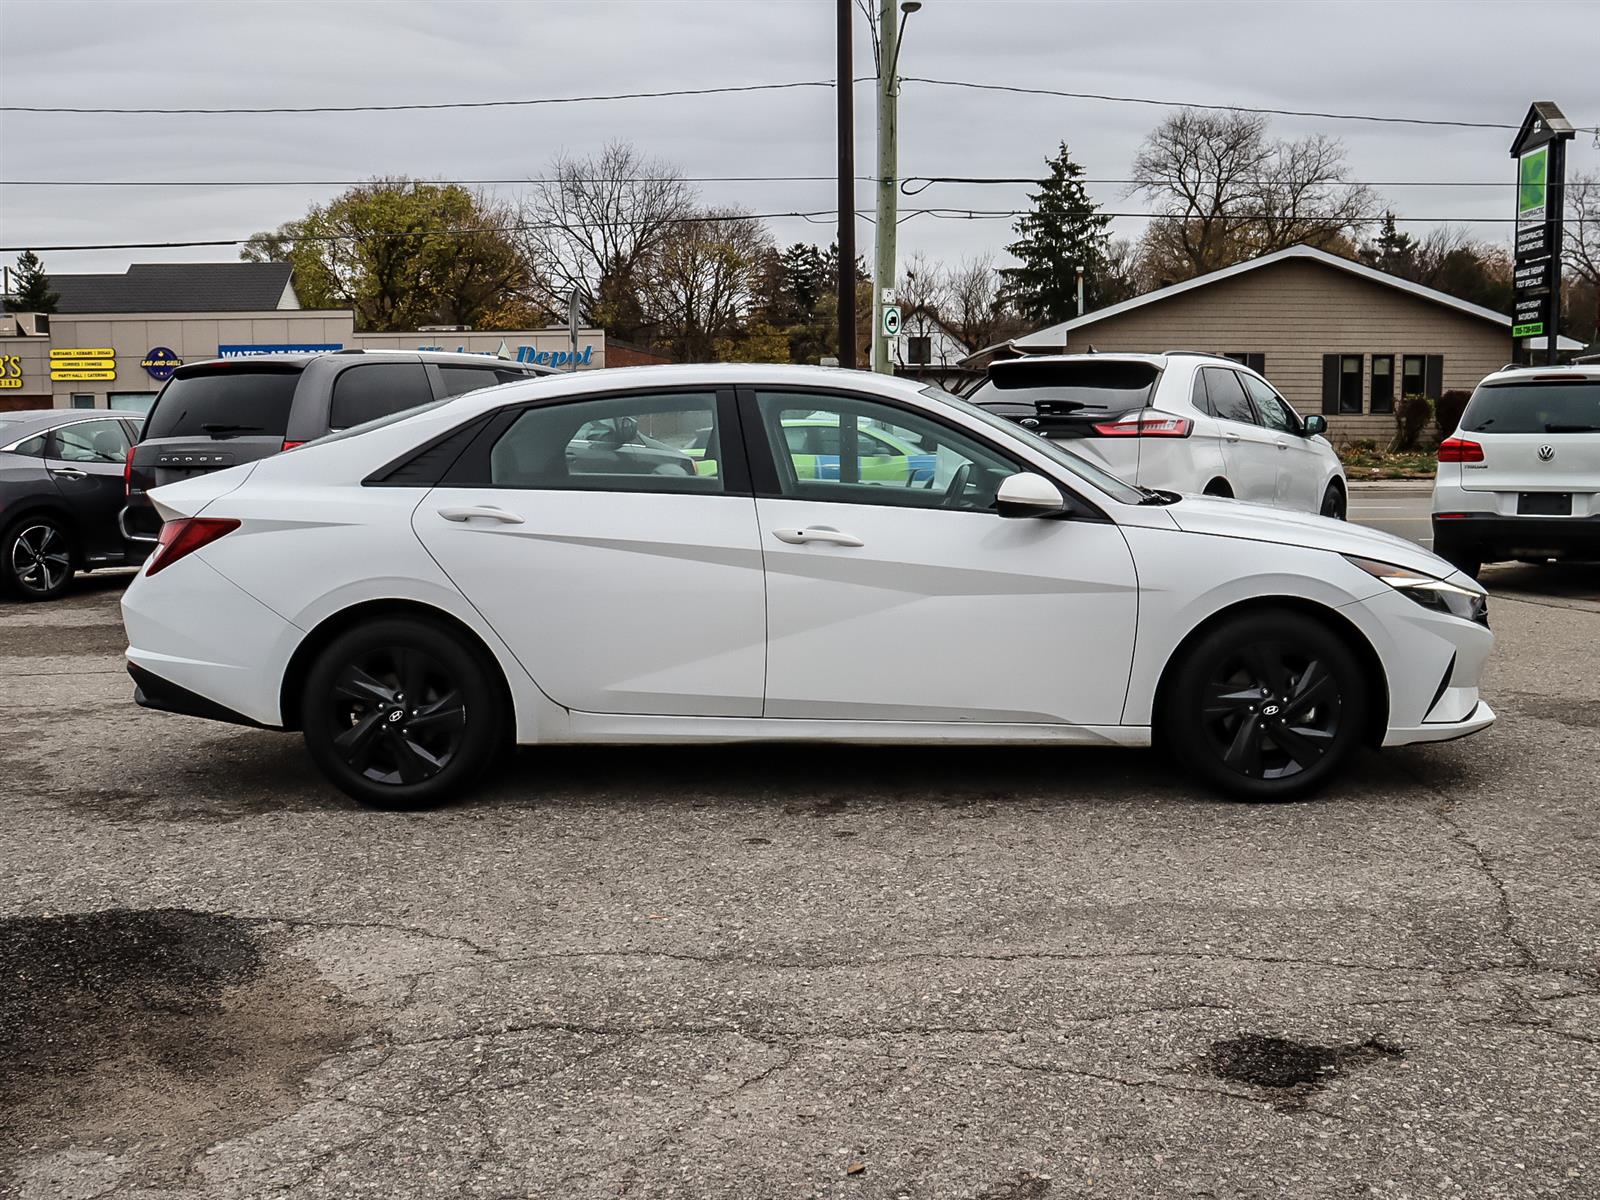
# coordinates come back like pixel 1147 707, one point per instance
pixel 152 691
pixel 1491 536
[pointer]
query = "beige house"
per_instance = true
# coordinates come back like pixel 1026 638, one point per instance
pixel 1334 336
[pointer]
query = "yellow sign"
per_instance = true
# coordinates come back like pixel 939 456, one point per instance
pixel 75 375
pixel 60 354
pixel 11 370
pixel 8 382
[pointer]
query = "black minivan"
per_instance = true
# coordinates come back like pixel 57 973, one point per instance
pixel 224 412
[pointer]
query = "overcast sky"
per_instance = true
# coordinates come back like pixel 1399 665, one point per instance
pixel 1446 59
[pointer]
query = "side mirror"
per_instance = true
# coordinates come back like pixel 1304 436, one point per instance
pixel 1316 423
pixel 1028 495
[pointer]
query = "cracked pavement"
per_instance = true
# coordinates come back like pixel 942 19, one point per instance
pixel 788 972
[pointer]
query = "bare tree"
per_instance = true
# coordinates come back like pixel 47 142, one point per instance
pixel 972 290
pixel 922 286
pixel 1581 241
pixel 1224 193
pixel 703 278
pixel 596 226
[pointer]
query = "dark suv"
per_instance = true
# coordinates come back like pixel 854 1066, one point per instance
pixel 221 413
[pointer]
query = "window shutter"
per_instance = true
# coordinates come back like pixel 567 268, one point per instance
pixel 1330 383
pixel 1433 378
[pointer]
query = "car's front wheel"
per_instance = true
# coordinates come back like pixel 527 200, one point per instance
pixel 1265 706
pixel 35 559
pixel 401 713
pixel 1333 502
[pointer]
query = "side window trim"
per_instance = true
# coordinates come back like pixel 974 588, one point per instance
pixel 471 468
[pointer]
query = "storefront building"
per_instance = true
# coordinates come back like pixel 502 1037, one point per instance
pixel 116 358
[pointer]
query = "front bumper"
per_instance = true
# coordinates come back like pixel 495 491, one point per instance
pixel 1492 536
pixel 1480 718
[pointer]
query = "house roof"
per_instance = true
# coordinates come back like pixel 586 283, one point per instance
pixel 1055 336
pixel 176 287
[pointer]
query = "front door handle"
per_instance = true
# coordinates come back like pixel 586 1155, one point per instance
pixel 1282 445
pixel 485 511
pixel 816 533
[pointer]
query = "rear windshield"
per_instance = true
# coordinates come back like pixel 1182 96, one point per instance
pixel 248 399
pixel 1533 407
pixel 1097 387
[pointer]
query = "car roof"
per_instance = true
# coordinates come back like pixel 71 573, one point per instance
pixel 14 426
pixel 443 357
pixel 1577 372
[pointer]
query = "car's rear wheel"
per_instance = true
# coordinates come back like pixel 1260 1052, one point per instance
pixel 35 559
pixel 1265 706
pixel 1333 502
pixel 401 713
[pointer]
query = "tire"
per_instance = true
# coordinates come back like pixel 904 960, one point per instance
pixel 1214 719
pixel 1334 504
pixel 425 755
pixel 36 556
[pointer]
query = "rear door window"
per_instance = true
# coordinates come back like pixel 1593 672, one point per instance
pixel 371 390
pixel 1228 400
pixel 248 399
pixel 1553 407
pixel 91 442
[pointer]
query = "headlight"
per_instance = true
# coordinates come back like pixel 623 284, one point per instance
pixel 1437 594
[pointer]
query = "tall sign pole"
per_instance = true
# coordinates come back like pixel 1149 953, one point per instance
pixel 883 273
pixel 1541 153
pixel 847 193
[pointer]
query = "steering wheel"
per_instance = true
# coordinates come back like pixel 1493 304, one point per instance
pixel 957 485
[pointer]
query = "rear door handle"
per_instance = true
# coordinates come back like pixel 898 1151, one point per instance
pixel 486 512
pixel 68 472
pixel 1230 435
pixel 816 533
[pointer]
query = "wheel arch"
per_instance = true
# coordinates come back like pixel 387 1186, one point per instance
pixel 1336 622
pixel 323 634
pixel 1218 485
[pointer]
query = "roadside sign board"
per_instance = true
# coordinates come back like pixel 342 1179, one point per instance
pixel 1540 153
pixel 76 376
pixel 891 320
pixel 79 365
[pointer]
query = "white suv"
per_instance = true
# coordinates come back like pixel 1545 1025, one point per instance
pixel 1521 477
pixel 1181 421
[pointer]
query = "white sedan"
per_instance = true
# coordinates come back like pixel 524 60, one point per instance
pixel 510 565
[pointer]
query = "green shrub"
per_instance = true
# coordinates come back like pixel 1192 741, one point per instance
pixel 1447 413
pixel 1411 415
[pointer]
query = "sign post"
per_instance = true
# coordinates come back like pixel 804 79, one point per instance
pixel 1541 153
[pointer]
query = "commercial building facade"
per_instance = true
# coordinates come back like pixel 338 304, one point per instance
pixel 1334 336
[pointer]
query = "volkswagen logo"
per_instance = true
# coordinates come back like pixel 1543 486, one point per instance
pixel 1546 453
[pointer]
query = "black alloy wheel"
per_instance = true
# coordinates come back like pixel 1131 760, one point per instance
pixel 401 714
pixel 1333 502
pixel 1266 706
pixel 35 559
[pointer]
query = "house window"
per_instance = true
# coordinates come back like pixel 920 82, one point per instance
pixel 82 400
pixel 1341 383
pixel 1382 383
pixel 919 351
pixel 1413 375
pixel 1255 360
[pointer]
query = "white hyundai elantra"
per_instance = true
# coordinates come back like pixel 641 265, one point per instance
pixel 727 553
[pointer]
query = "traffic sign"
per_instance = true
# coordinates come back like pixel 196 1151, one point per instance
pixel 891 320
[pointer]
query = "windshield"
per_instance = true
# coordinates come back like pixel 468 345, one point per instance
pixel 1557 406
pixel 1103 388
pixel 1106 482
pixel 251 398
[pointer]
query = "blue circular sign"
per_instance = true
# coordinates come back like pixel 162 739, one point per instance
pixel 161 362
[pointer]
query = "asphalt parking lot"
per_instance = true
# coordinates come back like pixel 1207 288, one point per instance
pixel 765 971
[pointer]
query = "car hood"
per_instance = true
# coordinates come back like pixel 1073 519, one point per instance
pixel 1257 523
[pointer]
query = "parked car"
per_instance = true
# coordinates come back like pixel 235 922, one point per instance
pixel 413 594
pixel 813 443
pixel 60 490
pixel 224 412
pixel 1198 424
pixel 1521 476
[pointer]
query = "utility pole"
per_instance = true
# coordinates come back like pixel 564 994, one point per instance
pixel 847 193
pixel 888 177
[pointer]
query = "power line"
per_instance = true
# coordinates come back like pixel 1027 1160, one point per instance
pixel 907 183
pixel 354 108
pixel 1277 112
pixel 948 214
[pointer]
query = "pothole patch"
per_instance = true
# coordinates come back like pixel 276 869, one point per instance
pixel 1287 1066
pixel 169 1028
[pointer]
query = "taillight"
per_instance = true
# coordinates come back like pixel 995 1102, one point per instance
pixel 1145 424
pixel 288 445
pixel 127 473
pixel 1460 450
pixel 185 536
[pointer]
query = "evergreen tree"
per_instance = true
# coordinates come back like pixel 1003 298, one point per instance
pixel 1063 232
pixel 1392 251
pixel 33 292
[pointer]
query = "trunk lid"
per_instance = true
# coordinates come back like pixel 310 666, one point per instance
pixel 1537 435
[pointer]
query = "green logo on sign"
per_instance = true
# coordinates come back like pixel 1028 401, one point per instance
pixel 1532 329
pixel 1531 174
